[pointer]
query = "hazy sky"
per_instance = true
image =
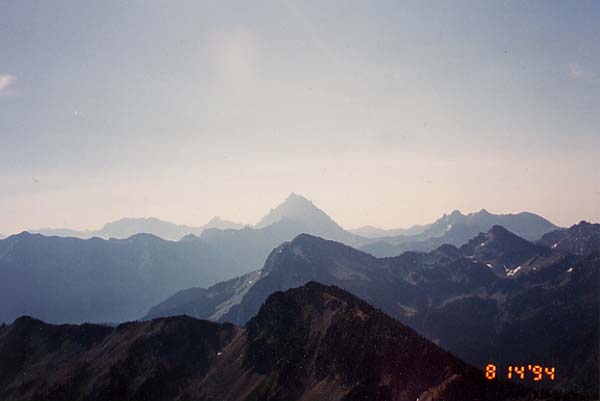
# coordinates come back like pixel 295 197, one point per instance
pixel 382 112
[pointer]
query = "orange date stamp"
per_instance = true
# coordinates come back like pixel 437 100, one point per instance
pixel 532 372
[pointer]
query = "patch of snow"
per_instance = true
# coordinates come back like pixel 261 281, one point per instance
pixel 570 270
pixel 555 245
pixel 482 244
pixel 219 353
pixel 489 265
pixel 512 272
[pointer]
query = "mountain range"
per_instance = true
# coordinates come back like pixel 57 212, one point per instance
pixel 310 343
pixel 75 280
pixel 250 245
pixel 456 229
pixel 126 227
pixel 297 215
pixel 520 292
pixel 498 297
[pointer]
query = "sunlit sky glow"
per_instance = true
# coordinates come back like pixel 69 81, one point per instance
pixel 385 113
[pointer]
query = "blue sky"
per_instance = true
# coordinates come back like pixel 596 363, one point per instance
pixel 385 112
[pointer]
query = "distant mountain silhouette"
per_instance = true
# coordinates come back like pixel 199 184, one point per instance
pixel 456 229
pixel 450 295
pixel 296 215
pixel 73 280
pixel 126 227
pixel 527 225
pixel 580 239
pixel 314 221
pixel 309 343
pixel 376 232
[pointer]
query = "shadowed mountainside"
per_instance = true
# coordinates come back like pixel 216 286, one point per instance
pixel 310 343
pixel 73 280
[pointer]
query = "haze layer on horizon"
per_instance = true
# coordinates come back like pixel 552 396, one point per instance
pixel 382 113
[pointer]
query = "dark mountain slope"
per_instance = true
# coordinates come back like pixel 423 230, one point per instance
pixel 310 343
pixel 73 280
pixel 134 361
pixel 580 239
